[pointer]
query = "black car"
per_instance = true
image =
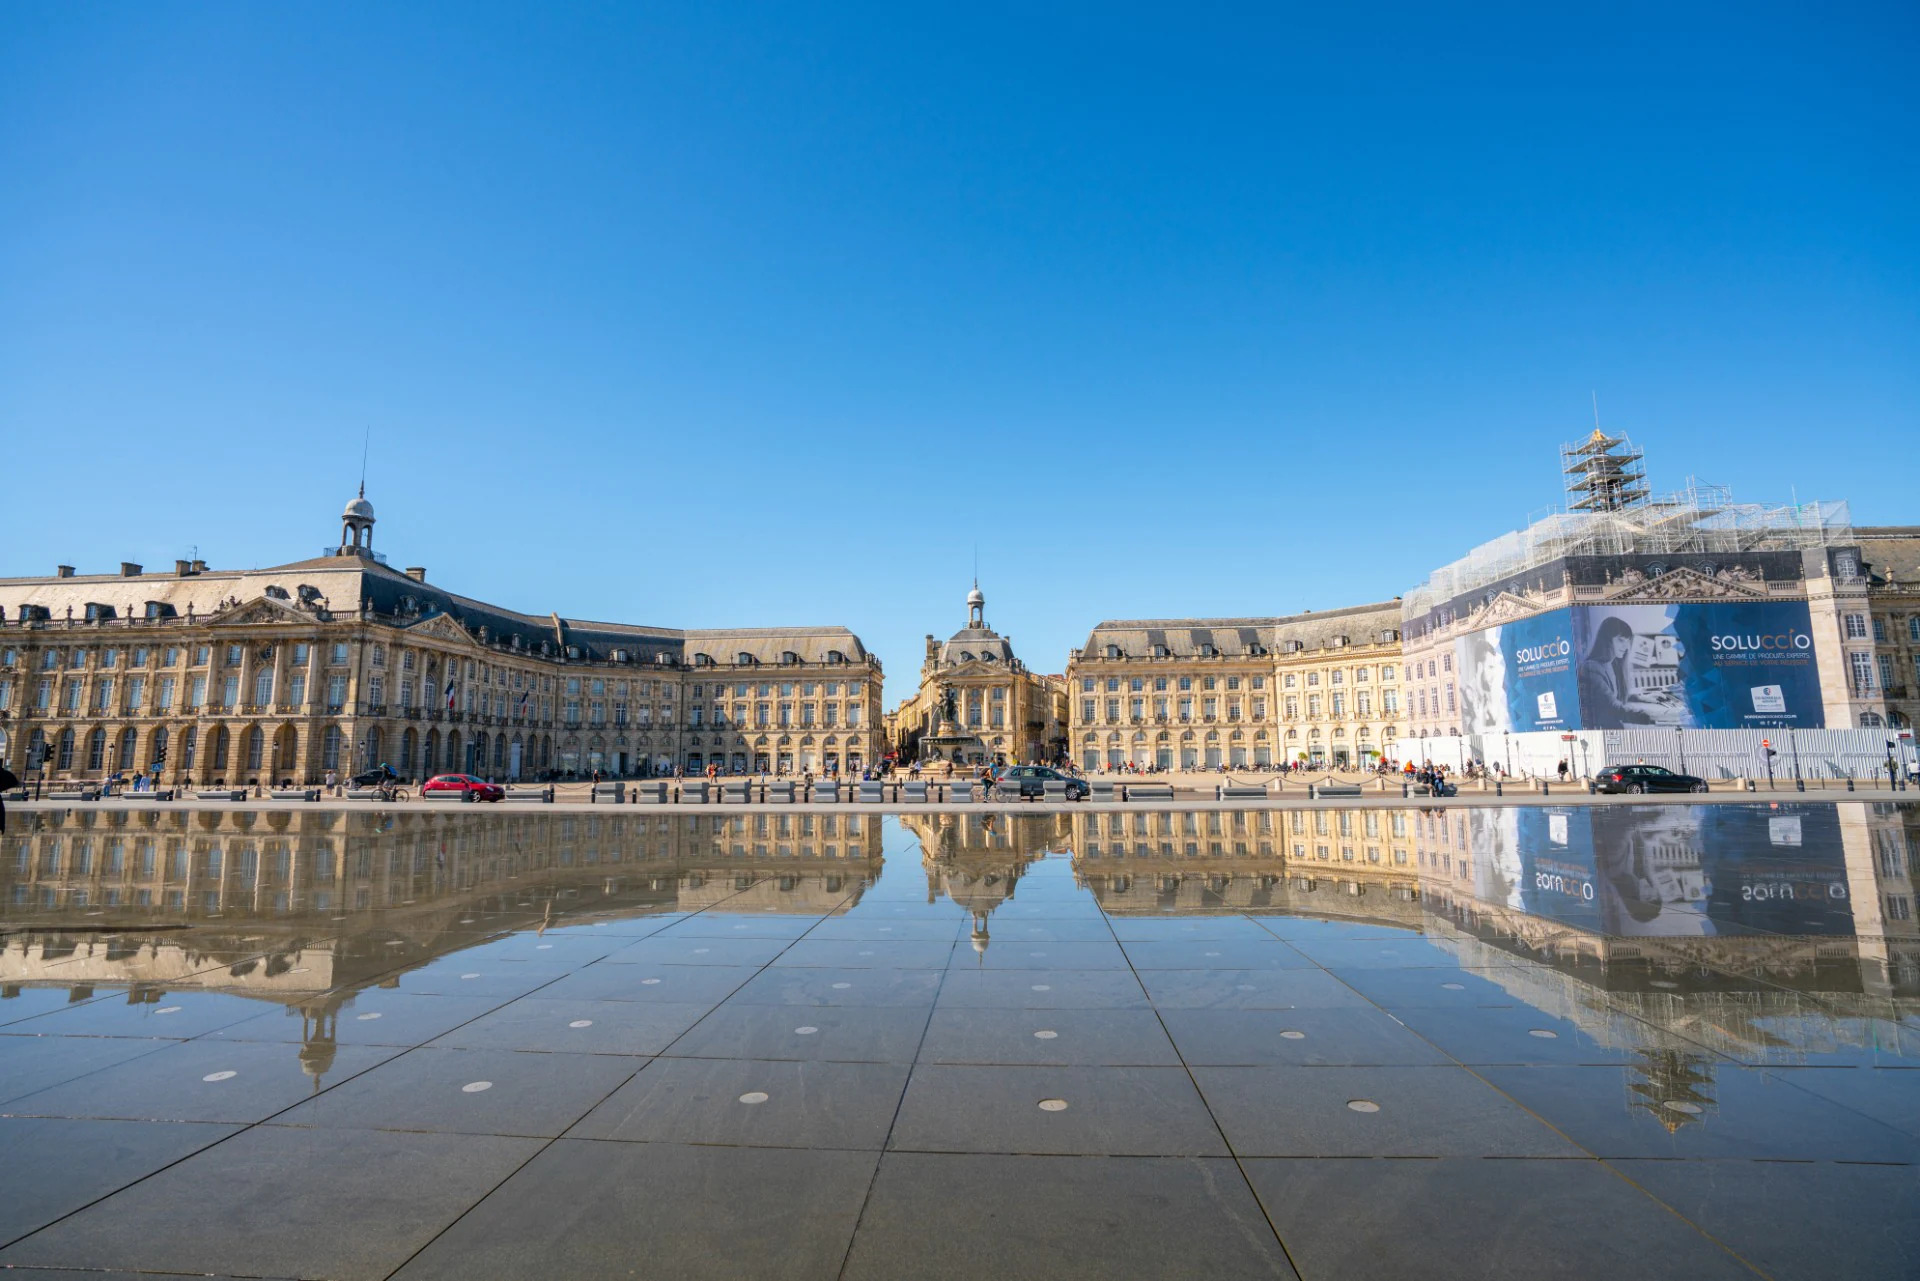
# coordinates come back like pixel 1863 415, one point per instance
pixel 1032 780
pixel 1640 779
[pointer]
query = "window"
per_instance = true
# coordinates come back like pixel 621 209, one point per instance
pixel 263 687
pixel 1313 678
pixel 1387 672
pixel 339 653
pixel 297 688
pixel 1233 682
pixel 1862 671
pixel 1449 695
pixel 1880 630
pixel 1086 709
pixel 1336 677
pixel 1886 670
pixel 1913 628
pixel 336 693
pixel 1086 684
pixel 230 690
pixel 1313 704
pixel 1856 626
pixel 76 660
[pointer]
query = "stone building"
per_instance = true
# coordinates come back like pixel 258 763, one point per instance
pixel 1890 556
pixel 1320 689
pixel 979 704
pixel 340 662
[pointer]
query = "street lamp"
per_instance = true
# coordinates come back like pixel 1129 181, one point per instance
pixel 1680 737
pixel 1507 736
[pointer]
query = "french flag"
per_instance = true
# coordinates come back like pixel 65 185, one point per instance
pixel 449 695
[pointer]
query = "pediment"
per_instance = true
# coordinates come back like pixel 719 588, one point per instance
pixel 1505 607
pixel 261 609
pixel 1687 584
pixel 442 627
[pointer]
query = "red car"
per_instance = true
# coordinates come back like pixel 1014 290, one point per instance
pixel 477 789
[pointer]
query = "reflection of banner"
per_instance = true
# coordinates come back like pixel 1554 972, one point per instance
pixel 1677 871
pixel 1731 665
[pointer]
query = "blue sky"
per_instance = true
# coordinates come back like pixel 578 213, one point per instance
pixel 708 315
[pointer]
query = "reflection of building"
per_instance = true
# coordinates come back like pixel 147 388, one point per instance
pixel 339 661
pixel 1643 615
pixel 976 859
pixel 1891 560
pixel 977 703
pixel 1200 693
pixel 305 909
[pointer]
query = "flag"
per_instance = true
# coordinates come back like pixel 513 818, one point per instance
pixel 449 695
pixel 522 708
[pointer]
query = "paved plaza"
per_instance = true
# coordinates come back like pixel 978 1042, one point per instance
pixel 517 1042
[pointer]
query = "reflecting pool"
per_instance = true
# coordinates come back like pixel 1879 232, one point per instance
pixel 1661 1040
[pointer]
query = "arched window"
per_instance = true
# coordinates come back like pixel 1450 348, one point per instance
pixel 97 750
pixel 256 747
pixel 408 742
pixel 218 752
pixel 127 757
pixel 63 759
pixel 330 748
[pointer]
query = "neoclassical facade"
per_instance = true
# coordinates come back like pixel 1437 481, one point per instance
pixel 977 703
pixel 341 662
pixel 1890 558
pixel 1320 689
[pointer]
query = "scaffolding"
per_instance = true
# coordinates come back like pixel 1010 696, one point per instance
pixel 1697 520
pixel 1604 474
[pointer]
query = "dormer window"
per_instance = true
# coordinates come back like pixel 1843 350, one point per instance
pixel 743 659
pixel 1113 651
pixel 1207 650
pixel 789 658
pixel 97 612
pixel 703 660
pixel 277 592
pixel 160 609
pixel 1159 651
pixel 622 656
pixel 835 656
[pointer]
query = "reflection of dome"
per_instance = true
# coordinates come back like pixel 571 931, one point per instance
pixel 359 508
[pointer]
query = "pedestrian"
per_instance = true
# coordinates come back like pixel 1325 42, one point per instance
pixel 333 783
pixel 7 783
pixel 1563 769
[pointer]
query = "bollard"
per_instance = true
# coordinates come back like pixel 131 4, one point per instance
pixel 1849 782
pixel 1496 788
pixel 1404 793
pixel 1123 791
pixel 676 793
pixel 1313 791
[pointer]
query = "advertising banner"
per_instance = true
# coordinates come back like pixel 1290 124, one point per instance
pixel 1679 871
pixel 1716 665
pixel 1519 676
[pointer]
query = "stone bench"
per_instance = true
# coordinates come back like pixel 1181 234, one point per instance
pixel 1056 789
pixel 1103 789
pixel 151 794
pixel 914 792
pixel 1150 791
pixel 826 792
pixel 652 791
pixel 780 792
pixel 1334 789
pixel 222 794
pixel 295 794
pixel 738 792
pixel 961 791
pixel 460 797
pixel 613 793
pixel 531 795
pixel 1244 792
pixel 74 794
pixel 693 792
pixel 874 792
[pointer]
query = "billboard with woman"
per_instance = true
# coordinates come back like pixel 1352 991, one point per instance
pixel 1731 665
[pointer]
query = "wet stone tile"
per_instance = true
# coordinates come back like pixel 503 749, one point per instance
pixel 1249 990
pixel 30 1064
pixel 1890 1096
pixel 593 1209
pixel 1083 1037
pixel 1797 1221
pixel 1216 954
pixel 1043 990
pixel 695 949
pixel 375 1016
pixel 1397 953
pixel 1431 989
pixel 577 1027
pixel 210 1080
pixel 1004 953
pixel 1061 1217
pixel 1178 929
pixel 1523 1034
pixel 1401 1112
pixel 469 1092
pixel 1296 1037
pixel 743 925
pixel 752 1103
pixel 873 954
pixel 158 1014
pixel 1119 1111
pixel 686 984
pixel 1682 1105
pixel 283 1198
pixel 911 989
pixel 850 1034
pixel 1479 1221
pixel 95 1158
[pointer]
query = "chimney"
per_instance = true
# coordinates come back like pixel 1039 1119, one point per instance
pixel 183 567
pixel 418 573
pixel 129 570
pixel 199 567
pixel 63 571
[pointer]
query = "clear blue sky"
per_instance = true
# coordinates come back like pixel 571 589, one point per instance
pixel 726 314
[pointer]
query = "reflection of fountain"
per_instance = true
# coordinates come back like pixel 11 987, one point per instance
pixel 1674 1088
pixel 976 860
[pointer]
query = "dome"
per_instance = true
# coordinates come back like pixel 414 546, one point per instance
pixel 974 597
pixel 359 508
